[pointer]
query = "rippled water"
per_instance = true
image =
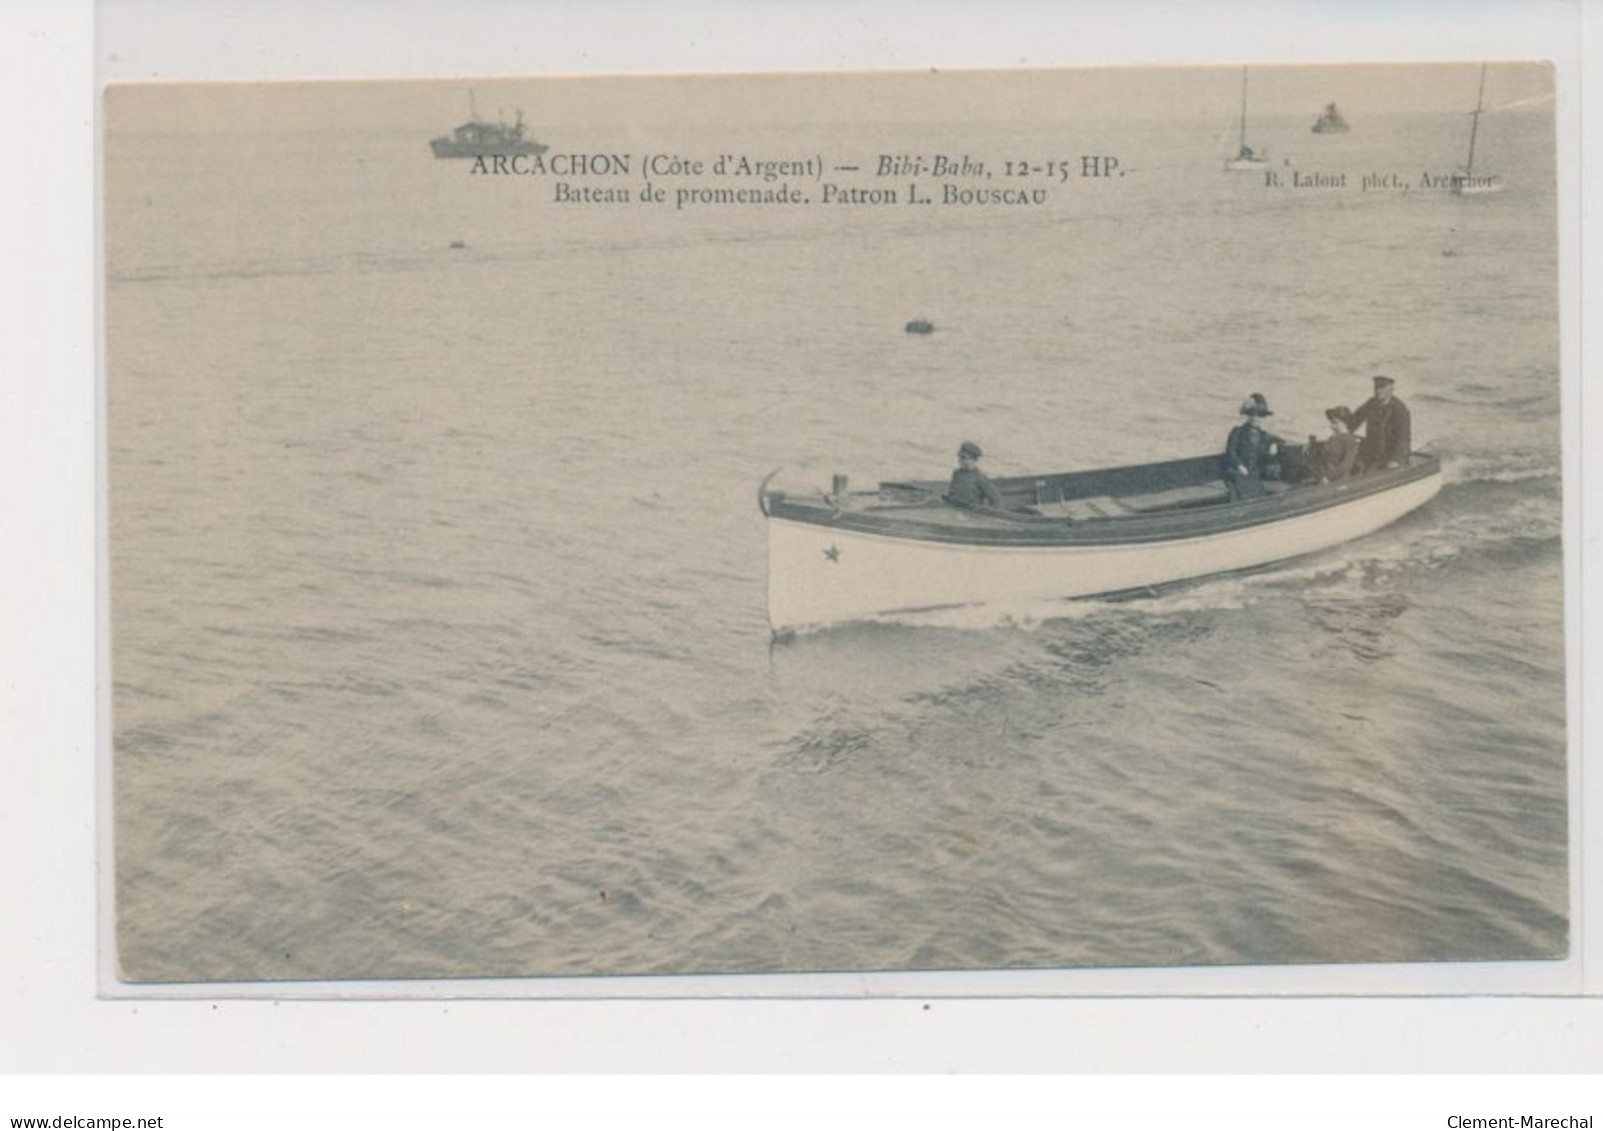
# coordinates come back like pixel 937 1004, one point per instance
pixel 438 579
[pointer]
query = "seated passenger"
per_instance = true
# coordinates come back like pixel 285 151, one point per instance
pixel 1338 454
pixel 1248 462
pixel 970 487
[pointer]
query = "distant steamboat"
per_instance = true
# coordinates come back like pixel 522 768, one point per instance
pixel 479 138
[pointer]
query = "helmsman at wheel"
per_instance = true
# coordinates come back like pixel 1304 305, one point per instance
pixel 1387 425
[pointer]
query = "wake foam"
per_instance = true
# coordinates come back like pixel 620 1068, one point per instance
pixel 1509 467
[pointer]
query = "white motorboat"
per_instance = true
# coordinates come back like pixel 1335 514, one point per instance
pixel 843 555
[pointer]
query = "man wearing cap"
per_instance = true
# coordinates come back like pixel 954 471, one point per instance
pixel 1386 441
pixel 970 487
pixel 1248 452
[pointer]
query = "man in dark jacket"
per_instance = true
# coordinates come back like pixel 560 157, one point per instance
pixel 1248 451
pixel 1386 441
pixel 970 487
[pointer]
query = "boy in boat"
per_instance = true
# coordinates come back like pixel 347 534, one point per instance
pixel 1249 469
pixel 1386 422
pixel 970 487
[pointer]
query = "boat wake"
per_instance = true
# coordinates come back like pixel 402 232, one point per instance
pixel 1505 468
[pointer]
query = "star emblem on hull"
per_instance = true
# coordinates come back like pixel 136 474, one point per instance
pixel 833 553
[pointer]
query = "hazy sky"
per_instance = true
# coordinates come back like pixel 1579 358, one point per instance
pixel 1205 93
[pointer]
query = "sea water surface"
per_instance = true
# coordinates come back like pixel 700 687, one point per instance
pixel 439 637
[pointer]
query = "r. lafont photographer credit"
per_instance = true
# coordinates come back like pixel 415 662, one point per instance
pixel 981 521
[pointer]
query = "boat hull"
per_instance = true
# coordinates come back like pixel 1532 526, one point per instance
pixel 821 574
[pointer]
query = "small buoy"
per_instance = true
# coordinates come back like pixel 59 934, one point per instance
pixel 920 326
pixel 457 245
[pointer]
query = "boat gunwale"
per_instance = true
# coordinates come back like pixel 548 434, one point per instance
pixel 1013 529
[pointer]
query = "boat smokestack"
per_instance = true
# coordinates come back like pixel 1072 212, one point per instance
pixel 839 486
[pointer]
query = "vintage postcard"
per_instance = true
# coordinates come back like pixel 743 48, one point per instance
pixel 835 523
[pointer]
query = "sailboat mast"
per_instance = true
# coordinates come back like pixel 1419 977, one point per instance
pixel 1243 108
pixel 1475 121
